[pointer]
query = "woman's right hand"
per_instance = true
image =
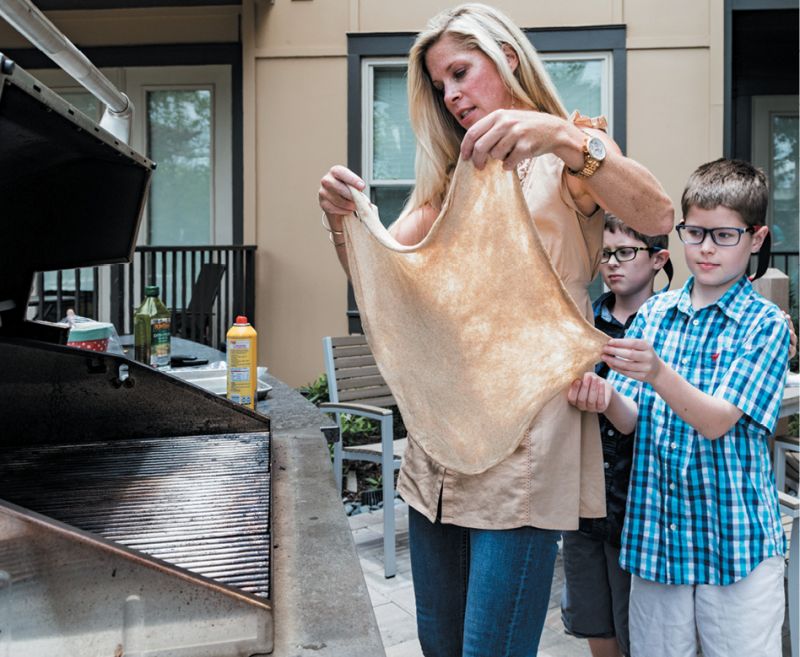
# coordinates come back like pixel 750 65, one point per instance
pixel 334 196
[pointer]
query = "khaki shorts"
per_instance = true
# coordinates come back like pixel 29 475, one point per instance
pixel 742 619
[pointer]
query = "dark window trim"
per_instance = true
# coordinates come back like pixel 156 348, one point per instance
pixel 730 7
pixel 195 54
pixel 546 40
pixel 61 5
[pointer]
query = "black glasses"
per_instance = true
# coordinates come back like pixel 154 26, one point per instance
pixel 720 236
pixel 624 253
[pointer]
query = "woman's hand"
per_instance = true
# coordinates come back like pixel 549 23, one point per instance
pixel 334 196
pixel 511 136
pixel 792 336
pixel 592 393
pixel 635 359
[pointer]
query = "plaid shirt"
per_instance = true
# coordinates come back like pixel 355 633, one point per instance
pixel 706 511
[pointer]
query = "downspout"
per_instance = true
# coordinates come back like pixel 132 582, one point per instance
pixel 37 28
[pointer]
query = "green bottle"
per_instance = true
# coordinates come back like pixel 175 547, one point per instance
pixel 151 330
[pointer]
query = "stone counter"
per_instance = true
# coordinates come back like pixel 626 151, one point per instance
pixel 321 604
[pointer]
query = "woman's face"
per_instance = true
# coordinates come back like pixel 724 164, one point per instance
pixel 468 80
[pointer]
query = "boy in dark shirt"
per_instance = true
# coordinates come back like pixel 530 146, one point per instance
pixel 594 603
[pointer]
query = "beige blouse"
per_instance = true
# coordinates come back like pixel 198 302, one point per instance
pixel 556 474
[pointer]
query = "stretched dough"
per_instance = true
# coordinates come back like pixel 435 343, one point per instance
pixel 472 329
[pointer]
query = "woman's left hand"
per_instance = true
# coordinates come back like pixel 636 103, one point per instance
pixel 792 336
pixel 510 136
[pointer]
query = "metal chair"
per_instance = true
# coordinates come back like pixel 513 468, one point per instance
pixel 790 506
pixel 355 386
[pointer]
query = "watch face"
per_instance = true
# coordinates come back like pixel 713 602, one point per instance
pixel 597 149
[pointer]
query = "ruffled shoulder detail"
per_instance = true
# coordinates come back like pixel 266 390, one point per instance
pixel 597 122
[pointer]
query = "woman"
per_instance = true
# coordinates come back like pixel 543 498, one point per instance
pixel 483 547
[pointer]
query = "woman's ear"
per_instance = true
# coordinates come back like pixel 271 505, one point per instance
pixel 511 56
pixel 758 238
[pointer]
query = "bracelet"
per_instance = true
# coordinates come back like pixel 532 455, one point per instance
pixel 334 242
pixel 327 226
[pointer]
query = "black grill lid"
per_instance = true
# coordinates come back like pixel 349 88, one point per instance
pixel 71 194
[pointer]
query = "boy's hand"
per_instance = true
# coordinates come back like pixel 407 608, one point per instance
pixel 635 359
pixel 592 393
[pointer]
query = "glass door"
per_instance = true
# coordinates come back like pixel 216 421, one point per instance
pixel 775 151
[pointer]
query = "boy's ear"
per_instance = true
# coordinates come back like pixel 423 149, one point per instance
pixel 659 259
pixel 758 238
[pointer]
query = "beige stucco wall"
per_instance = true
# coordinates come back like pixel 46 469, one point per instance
pixel 295 121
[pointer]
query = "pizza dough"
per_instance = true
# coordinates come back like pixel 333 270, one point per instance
pixel 472 329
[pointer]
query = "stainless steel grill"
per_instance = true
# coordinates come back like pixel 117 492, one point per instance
pixel 201 503
pixel 135 509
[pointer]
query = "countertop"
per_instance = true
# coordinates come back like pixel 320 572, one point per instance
pixel 321 604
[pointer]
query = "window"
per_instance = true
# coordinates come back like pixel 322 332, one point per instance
pixel 584 82
pixel 389 145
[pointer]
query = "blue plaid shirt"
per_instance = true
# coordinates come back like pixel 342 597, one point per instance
pixel 706 511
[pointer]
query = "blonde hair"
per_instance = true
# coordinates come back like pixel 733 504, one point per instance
pixel 473 26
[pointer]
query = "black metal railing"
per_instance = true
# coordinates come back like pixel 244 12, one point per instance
pixel 205 287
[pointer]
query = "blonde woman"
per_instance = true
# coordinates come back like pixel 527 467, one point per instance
pixel 483 546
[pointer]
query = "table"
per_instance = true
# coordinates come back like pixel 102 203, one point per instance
pixel 791 401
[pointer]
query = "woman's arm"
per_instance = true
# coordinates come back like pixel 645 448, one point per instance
pixel 621 185
pixel 337 202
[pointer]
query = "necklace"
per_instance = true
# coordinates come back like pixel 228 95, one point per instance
pixel 522 170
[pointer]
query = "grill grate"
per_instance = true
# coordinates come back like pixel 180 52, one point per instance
pixel 200 502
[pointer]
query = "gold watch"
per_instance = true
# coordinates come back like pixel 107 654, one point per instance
pixel 594 152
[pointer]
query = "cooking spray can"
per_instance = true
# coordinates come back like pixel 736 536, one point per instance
pixel 242 349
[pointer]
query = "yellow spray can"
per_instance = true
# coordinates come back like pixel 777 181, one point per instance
pixel 242 348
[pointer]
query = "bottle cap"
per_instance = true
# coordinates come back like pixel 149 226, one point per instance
pixel 151 290
pixel 241 319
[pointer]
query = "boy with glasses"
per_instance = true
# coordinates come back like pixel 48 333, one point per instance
pixel 594 602
pixel 700 377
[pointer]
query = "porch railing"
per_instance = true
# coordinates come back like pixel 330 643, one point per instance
pixel 176 270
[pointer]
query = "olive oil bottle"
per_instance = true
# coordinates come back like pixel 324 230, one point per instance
pixel 151 330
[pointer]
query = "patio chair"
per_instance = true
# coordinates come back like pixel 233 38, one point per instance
pixel 194 322
pixel 355 386
pixel 785 458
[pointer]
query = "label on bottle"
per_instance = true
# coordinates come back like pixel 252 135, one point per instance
pixel 159 342
pixel 239 355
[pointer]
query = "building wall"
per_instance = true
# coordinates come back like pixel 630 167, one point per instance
pixel 295 121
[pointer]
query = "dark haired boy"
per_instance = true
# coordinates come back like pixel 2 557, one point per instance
pixel 700 377
pixel 594 602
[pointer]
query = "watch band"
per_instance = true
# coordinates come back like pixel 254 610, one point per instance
pixel 590 164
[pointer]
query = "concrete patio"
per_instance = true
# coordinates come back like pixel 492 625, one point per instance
pixel 393 599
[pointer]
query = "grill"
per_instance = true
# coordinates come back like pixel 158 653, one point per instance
pixel 135 509
pixel 144 494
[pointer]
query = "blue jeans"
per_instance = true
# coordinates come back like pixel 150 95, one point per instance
pixel 480 592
